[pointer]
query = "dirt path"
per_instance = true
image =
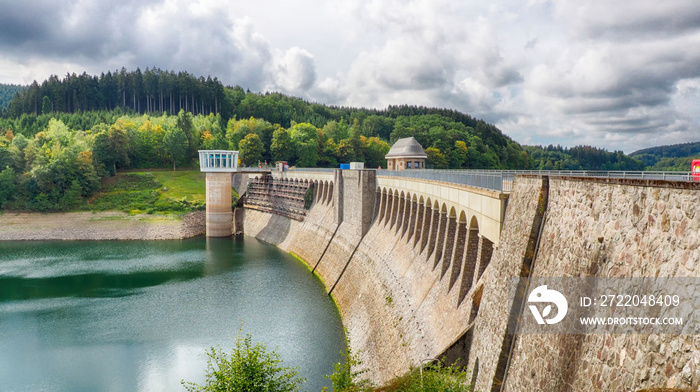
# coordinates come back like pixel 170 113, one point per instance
pixel 110 225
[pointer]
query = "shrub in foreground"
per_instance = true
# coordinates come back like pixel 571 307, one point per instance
pixel 434 378
pixel 249 368
pixel 346 377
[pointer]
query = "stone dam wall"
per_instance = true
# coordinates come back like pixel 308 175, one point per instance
pixel 395 268
pixel 620 229
pixel 415 282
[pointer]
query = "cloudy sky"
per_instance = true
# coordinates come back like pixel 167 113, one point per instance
pixel 617 74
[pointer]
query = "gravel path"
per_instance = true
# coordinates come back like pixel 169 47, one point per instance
pixel 109 225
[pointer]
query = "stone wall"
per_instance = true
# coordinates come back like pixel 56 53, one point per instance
pixel 513 256
pixel 418 283
pixel 401 301
pixel 613 230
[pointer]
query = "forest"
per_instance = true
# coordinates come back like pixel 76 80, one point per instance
pixel 7 92
pixel 580 158
pixel 60 137
pixel 675 157
pixel 52 162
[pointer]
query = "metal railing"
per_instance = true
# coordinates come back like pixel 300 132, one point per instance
pixel 638 175
pixel 313 169
pixel 497 181
pixel 256 169
pixel 502 180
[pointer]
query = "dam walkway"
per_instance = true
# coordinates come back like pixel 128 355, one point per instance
pixel 502 180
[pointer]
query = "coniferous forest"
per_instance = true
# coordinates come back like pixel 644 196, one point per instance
pixel 7 92
pixel 59 137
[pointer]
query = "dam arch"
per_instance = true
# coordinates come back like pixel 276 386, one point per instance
pixel 460 248
pixel 365 238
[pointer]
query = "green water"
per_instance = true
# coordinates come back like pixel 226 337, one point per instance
pixel 137 316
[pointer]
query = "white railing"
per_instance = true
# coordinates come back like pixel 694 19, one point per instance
pixel 218 161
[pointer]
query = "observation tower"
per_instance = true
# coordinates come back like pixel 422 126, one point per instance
pixel 219 166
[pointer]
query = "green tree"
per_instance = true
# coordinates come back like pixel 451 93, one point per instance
pixel 71 199
pixel 251 149
pixel 436 158
pixel 346 152
pixel 375 149
pixel 356 141
pixel 184 123
pixel 281 147
pixel 7 185
pixel 45 105
pixel 459 155
pixel 211 134
pixel 231 135
pixel 103 153
pixel 336 131
pixel 329 154
pixel 87 174
pixel 249 368
pixel 112 147
pixel 175 145
pixel 305 138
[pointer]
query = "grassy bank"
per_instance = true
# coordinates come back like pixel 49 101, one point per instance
pixel 162 192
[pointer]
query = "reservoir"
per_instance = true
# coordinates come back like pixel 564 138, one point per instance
pixel 139 315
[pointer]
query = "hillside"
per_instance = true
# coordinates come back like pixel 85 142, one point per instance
pixel 158 91
pixel 676 157
pixel 94 126
pixel 7 93
pixel 58 139
pixel 580 158
pixel 84 101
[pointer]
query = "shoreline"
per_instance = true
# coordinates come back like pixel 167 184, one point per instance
pixel 106 225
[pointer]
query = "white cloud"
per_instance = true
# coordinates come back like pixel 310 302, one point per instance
pixel 292 71
pixel 620 75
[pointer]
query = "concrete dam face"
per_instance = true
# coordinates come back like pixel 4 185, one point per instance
pixel 420 269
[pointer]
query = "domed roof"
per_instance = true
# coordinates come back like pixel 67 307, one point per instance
pixel 407 147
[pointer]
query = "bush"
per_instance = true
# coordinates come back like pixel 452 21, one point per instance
pixel 125 201
pixel 249 368
pixel 436 377
pixel 345 379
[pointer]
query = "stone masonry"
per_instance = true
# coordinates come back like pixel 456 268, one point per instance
pixel 413 280
pixel 613 230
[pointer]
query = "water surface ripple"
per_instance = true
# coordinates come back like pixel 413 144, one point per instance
pixel 138 315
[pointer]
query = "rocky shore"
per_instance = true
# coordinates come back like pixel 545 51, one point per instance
pixel 109 225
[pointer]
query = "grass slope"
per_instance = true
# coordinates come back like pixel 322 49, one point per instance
pixel 163 192
pixel 182 184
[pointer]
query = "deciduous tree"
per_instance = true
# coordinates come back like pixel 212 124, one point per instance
pixel 175 145
pixel 251 149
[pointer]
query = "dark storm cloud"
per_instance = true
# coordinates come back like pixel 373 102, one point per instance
pixel 21 23
pixel 623 20
pixel 58 30
pixel 202 37
pixel 594 71
pixel 618 76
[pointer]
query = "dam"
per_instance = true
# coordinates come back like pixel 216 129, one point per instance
pixel 419 265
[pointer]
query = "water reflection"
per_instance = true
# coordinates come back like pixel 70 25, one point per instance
pixel 137 316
